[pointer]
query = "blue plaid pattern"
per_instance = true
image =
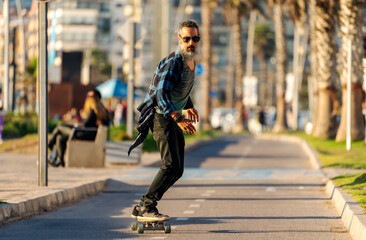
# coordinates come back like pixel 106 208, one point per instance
pixel 167 74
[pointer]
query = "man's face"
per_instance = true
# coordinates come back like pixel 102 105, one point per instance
pixel 188 41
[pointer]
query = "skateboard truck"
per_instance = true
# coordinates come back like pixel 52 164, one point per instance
pixel 151 226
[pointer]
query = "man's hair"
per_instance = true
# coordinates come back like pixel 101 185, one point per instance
pixel 188 24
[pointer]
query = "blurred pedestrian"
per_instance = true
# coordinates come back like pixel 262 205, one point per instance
pixel 118 112
pixel 262 119
pixel 169 95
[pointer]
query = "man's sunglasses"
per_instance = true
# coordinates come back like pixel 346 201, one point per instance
pixel 187 39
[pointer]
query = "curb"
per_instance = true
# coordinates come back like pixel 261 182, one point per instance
pixel 29 208
pixel 351 213
pixel 353 216
pixel 349 210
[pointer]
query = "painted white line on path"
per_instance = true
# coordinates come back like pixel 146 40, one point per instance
pixel 189 212
pixel 271 189
pixel 205 194
pixel 182 219
pixel 158 238
pixel 195 205
pixel 210 191
pixel 200 200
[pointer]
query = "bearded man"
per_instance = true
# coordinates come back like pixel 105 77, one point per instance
pixel 168 95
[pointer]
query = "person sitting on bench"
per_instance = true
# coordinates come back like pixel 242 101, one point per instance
pixel 97 114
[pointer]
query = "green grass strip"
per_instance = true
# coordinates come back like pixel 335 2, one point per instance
pixel 354 184
pixel 334 154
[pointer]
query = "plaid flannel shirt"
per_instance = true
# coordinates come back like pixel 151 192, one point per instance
pixel 167 74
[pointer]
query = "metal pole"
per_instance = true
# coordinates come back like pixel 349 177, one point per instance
pixel 296 77
pixel 6 55
pixel 349 95
pixel 130 84
pixel 42 94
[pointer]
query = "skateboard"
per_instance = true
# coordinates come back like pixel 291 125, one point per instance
pixel 151 226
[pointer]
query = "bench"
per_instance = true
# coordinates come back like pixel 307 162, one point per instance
pixel 86 153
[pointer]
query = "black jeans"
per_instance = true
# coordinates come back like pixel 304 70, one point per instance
pixel 170 141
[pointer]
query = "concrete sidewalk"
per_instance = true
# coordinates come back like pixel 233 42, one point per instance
pixel 23 197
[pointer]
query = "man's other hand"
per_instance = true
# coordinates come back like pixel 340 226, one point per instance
pixel 193 115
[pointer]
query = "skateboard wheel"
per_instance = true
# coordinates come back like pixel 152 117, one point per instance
pixel 140 228
pixel 134 226
pixel 167 229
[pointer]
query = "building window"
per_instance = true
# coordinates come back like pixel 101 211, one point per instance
pixel 104 25
pixel 104 7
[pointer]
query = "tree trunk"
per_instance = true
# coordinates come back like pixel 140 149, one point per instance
pixel 281 68
pixel 351 22
pixel 206 62
pixel 326 124
pixel 357 120
pixel 326 63
pixel 238 68
pixel 263 81
pixel 230 74
pixel 313 91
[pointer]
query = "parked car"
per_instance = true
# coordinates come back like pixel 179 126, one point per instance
pixel 224 118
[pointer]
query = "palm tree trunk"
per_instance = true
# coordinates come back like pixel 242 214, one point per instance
pixel 263 81
pixel 230 74
pixel 206 62
pixel 326 55
pixel 238 67
pixel 351 22
pixel 314 94
pixel 281 66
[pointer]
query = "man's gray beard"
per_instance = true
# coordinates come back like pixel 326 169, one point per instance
pixel 187 56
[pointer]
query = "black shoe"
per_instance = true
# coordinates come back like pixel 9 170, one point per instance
pixel 54 160
pixel 54 163
pixel 136 212
pixel 151 214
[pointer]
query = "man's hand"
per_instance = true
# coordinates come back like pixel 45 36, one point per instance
pixel 193 115
pixel 187 126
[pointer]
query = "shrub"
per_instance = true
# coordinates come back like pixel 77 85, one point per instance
pixel 21 125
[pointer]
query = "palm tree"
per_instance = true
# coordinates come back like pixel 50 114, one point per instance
pixel 281 62
pixel 312 80
pixel 206 6
pixel 351 21
pixel 298 15
pixel 233 11
pixel 325 30
pixel 264 48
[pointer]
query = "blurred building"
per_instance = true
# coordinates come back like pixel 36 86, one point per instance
pixel 76 27
pixel 119 36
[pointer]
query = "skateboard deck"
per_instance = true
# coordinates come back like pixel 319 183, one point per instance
pixel 148 225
